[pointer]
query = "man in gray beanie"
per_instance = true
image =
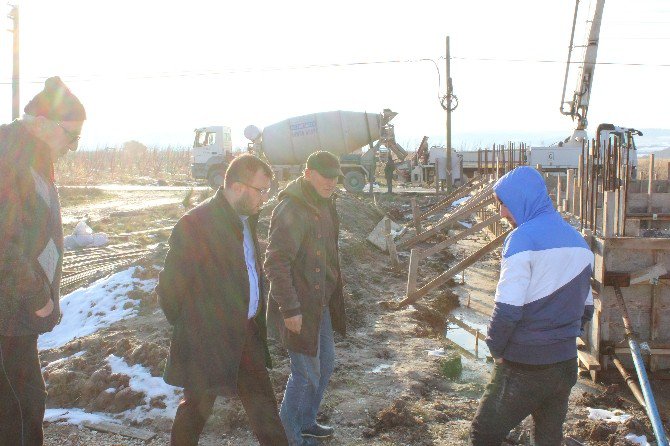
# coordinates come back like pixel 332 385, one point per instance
pixel 31 252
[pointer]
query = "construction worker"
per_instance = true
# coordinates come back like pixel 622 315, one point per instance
pixel 542 302
pixel 389 170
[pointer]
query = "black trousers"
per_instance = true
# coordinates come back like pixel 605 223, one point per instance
pixel 22 392
pixel 516 392
pixel 254 390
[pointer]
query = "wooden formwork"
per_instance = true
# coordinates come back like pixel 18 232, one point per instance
pixel 623 261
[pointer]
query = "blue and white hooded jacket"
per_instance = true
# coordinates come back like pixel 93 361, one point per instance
pixel 543 298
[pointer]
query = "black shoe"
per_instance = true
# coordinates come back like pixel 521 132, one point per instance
pixel 318 431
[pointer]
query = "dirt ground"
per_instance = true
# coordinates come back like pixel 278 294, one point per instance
pixel 386 389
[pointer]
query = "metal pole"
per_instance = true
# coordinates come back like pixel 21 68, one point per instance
pixel 449 93
pixel 650 407
pixel 637 393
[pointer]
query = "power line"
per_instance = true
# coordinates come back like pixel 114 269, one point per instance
pixel 234 70
pixel 243 70
pixel 624 64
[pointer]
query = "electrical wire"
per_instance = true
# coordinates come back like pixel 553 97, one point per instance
pixel 627 64
pixel 233 70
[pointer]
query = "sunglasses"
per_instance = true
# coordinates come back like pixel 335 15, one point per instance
pixel 73 136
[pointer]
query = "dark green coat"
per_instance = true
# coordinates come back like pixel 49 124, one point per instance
pixel 295 267
pixel 204 293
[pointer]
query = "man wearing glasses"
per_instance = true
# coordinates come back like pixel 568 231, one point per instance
pixel 31 252
pixel 212 294
pixel 306 301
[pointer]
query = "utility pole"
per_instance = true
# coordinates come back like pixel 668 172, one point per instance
pixel 14 15
pixel 449 95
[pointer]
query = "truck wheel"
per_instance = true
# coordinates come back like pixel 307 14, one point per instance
pixel 216 176
pixel 354 181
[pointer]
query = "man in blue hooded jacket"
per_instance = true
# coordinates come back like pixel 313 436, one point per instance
pixel 542 302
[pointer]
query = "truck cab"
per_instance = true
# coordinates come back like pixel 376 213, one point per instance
pixel 212 152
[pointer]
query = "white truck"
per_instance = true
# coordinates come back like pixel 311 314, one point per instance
pixel 212 151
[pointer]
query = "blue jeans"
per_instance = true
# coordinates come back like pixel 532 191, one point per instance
pixel 307 383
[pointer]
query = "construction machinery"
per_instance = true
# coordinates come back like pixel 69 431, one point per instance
pixel 565 154
pixel 287 144
pixel 212 152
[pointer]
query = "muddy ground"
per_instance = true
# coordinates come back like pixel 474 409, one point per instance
pixel 386 389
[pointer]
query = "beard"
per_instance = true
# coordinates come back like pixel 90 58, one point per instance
pixel 244 205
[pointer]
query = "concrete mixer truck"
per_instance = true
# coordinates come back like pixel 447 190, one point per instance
pixel 287 144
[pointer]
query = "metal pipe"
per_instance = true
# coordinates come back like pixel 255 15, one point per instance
pixel 650 407
pixel 632 383
pixel 625 190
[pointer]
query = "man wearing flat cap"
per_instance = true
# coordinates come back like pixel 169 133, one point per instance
pixel 306 301
pixel 31 252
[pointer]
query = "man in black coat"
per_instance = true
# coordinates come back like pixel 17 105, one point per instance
pixel 307 303
pixel 212 294
pixel 31 252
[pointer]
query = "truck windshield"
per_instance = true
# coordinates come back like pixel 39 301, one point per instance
pixel 204 139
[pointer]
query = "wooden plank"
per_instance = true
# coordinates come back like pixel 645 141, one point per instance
pixel 459 193
pixel 608 214
pixel 393 253
pixel 460 236
pixel 588 360
pixel 650 189
pixel 575 200
pixel 126 431
pixel 581 343
pixel 569 190
pixel 416 216
pixel 412 271
pixel 466 209
pixel 390 244
pixel 655 310
pixel 648 274
pixel 460 266
pixel 638 243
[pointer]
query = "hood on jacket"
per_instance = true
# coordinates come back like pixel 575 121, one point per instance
pixel 524 192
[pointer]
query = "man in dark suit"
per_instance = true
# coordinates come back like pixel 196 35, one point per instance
pixel 212 294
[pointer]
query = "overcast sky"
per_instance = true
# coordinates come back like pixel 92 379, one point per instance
pixel 154 71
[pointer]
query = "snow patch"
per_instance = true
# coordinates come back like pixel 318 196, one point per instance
pixel 615 416
pixel 87 310
pixel 380 368
pixel 152 387
pixel 62 360
pixel 641 440
pixel 75 416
